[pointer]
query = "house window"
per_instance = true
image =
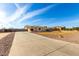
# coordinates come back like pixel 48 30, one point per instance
pixel 32 30
pixel 39 28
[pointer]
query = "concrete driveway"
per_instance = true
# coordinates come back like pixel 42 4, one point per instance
pixel 29 44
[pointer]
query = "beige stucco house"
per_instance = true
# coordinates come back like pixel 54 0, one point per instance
pixel 35 28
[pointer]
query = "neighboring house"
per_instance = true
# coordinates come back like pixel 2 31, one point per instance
pixel 58 28
pixel 42 28
pixel 35 28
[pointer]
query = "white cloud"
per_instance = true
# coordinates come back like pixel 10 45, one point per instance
pixel 14 16
pixel 36 12
pixel 37 20
pixel 17 14
pixel 19 11
pixel 17 5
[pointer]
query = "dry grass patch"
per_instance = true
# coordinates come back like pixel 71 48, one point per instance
pixel 70 36
pixel 57 33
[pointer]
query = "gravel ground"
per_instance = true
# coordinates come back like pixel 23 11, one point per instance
pixel 5 44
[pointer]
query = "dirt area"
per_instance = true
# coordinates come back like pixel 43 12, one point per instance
pixel 70 36
pixel 3 34
pixel 5 44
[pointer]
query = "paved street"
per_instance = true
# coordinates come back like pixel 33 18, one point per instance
pixel 29 44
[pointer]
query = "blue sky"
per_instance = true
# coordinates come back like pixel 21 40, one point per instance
pixel 17 15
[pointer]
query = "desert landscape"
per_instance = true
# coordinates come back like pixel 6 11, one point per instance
pixel 55 43
pixel 42 29
pixel 69 36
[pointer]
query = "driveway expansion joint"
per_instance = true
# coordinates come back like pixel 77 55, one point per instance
pixel 56 50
